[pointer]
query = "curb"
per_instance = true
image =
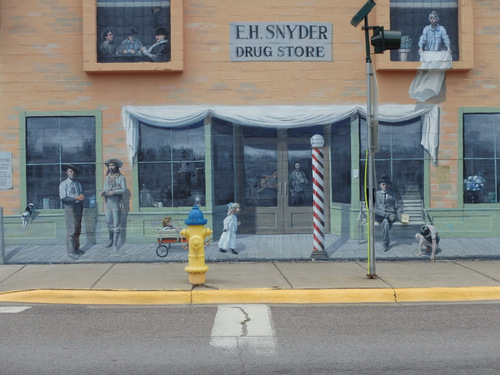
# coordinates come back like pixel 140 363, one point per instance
pixel 250 296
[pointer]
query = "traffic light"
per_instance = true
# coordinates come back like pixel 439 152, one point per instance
pixel 385 39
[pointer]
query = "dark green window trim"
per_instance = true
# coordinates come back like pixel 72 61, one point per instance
pixel 22 146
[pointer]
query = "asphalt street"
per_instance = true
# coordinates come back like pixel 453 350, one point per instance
pixel 404 338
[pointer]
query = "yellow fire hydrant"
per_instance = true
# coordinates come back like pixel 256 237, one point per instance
pixel 195 234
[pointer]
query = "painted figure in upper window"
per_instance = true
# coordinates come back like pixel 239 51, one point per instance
pixel 114 188
pixel 71 194
pixel 434 37
pixel 108 47
pixel 158 52
pixel 131 45
pixel 297 180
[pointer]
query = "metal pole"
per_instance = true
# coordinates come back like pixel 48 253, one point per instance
pixel 2 242
pixel 369 122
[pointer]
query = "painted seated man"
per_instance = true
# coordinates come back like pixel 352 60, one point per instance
pixel 160 51
pixel 387 209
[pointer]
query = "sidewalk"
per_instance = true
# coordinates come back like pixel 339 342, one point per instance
pixel 259 248
pixel 251 282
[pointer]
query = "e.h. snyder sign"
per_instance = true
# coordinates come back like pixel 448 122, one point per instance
pixel 280 41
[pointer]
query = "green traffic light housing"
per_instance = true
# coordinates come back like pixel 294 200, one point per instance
pixel 385 39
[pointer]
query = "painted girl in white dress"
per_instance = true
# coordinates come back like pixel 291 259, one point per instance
pixel 228 238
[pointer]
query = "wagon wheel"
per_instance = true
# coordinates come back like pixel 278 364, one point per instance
pixel 166 196
pixel 182 192
pixel 162 250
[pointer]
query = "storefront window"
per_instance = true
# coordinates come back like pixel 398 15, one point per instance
pixel 171 166
pixel 52 142
pixel 341 161
pixel 400 156
pixel 223 161
pixel 481 134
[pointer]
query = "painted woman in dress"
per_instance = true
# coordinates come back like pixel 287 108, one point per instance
pixel 228 238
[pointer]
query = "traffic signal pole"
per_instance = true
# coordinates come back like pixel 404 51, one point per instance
pixel 382 40
pixel 371 273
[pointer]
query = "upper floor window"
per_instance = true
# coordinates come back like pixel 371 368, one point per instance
pixel 133 35
pixel 52 142
pixel 131 31
pixel 432 31
pixel 426 26
pixel 481 135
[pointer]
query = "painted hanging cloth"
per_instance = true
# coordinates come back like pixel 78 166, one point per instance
pixel 431 74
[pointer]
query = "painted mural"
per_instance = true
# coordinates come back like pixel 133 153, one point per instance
pixel 426 26
pixel 133 31
pixel 95 157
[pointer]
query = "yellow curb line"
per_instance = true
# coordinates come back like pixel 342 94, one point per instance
pixel 242 296
pixel 473 293
pixel 293 296
pixel 98 297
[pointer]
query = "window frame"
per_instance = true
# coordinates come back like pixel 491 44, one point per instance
pixel 22 147
pixel 208 176
pixel 90 64
pixel 461 152
pixel 425 168
pixel 465 39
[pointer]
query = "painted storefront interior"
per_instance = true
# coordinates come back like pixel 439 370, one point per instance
pixel 211 125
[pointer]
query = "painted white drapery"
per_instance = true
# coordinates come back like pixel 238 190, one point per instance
pixel 284 116
pixel 431 74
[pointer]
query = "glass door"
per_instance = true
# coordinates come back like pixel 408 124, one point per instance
pixel 261 176
pixel 298 212
pixel 276 181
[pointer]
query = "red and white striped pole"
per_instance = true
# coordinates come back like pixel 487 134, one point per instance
pixel 317 143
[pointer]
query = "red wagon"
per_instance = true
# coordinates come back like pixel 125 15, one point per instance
pixel 166 237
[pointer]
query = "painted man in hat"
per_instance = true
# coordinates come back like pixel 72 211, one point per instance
pixel 114 188
pixel 160 51
pixel 71 194
pixel 131 45
pixel 387 209
pixel 297 181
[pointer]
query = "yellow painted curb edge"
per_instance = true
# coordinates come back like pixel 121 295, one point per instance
pixel 293 296
pixel 271 296
pixel 98 297
pixel 473 293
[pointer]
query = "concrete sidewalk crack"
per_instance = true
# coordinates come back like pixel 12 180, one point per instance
pixel 471 269
pixel 392 288
pixel 284 277
pixel 8 277
pixel 100 278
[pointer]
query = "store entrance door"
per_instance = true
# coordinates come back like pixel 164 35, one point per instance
pixel 277 186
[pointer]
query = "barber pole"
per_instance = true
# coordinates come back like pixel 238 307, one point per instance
pixel 317 143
